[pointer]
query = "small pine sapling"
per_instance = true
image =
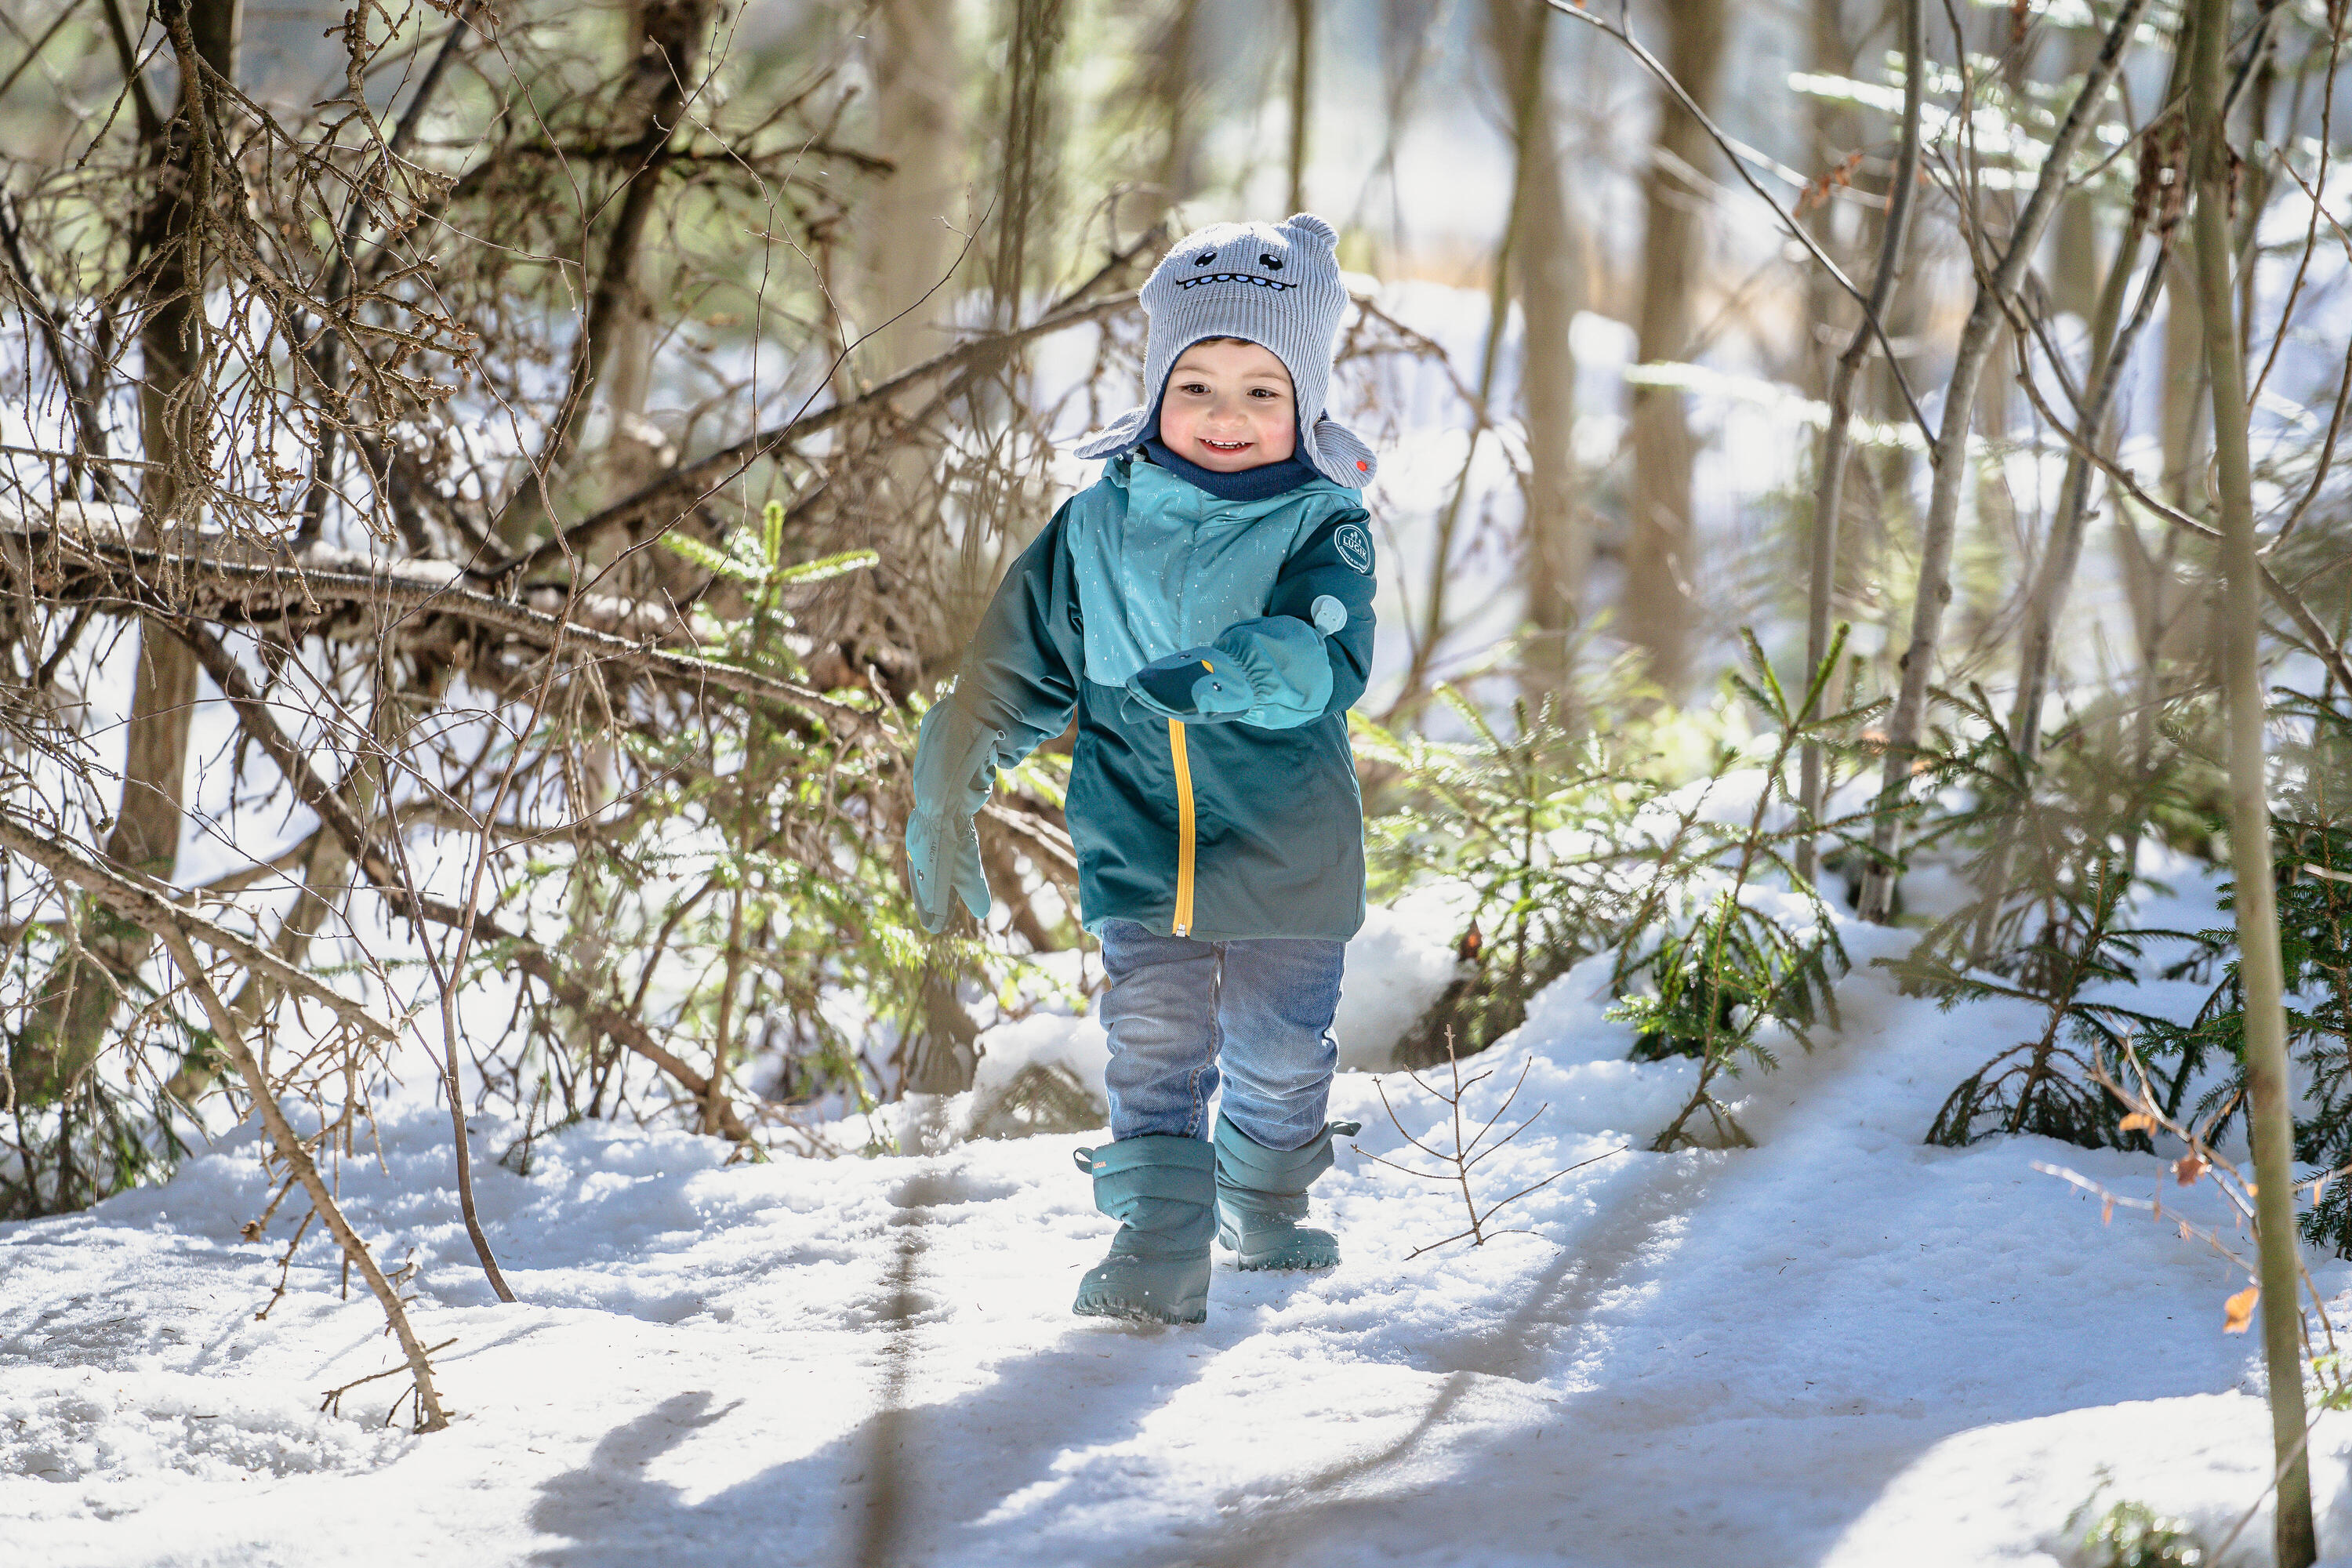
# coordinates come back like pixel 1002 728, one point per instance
pixel 2314 877
pixel 1456 1163
pixel 2048 1084
pixel 754 561
pixel 1531 824
pixel 2311 858
pixel 2134 1535
pixel 2056 845
pixel 1717 978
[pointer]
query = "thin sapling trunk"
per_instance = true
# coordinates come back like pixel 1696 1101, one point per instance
pixel 1995 294
pixel 2269 1110
pixel 1829 498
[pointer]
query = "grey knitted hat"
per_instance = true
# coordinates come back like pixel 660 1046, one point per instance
pixel 1278 285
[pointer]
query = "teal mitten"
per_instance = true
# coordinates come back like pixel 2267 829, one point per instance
pixel 953 769
pixel 1198 683
pixel 943 858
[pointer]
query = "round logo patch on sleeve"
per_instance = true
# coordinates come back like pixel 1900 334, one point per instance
pixel 1354 545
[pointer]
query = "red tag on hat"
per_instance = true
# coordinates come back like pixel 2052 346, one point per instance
pixel 1362 466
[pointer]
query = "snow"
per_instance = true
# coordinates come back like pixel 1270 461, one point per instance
pixel 1398 964
pixel 1077 1046
pixel 1840 1347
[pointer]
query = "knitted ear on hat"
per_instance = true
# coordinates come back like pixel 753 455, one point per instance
pixel 1309 226
pixel 1276 285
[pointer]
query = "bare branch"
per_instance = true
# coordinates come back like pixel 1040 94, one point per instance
pixel 289 1148
pixel 151 907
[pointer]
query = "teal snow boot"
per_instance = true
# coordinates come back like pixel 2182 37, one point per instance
pixel 1261 1196
pixel 1162 1191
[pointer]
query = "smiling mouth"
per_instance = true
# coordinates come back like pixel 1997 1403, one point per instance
pixel 1277 284
pixel 1224 445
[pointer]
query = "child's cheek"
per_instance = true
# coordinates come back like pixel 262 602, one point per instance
pixel 1278 438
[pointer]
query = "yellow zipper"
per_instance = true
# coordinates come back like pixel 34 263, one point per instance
pixel 1183 921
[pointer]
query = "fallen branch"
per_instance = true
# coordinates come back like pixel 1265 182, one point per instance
pixel 289 1144
pixel 331 1403
pixel 88 554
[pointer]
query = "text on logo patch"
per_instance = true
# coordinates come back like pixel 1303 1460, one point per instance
pixel 1355 547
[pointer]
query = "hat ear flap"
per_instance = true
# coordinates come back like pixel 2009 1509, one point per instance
pixel 1313 227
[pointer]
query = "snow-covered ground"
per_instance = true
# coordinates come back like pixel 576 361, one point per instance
pixel 1840 1347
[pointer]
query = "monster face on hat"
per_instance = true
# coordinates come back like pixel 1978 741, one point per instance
pixel 1275 285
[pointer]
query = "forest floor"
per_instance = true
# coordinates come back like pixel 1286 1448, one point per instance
pixel 1840 1347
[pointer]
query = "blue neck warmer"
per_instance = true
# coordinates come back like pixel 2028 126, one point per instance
pixel 1260 483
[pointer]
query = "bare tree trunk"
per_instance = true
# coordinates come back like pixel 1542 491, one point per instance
pixel 1026 175
pixel 2255 174
pixel 2112 343
pixel 1977 339
pixel 2269 1113
pixel 1834 128
pixel 1829 497
pixel 1545 270
pixel 2064 552
pixel 906 232
pixel 668 38
pixel 2185 404
pixel 1302 96
pixel 2075 272
pixel 940 1055
pixel 2169 614
pixel 907 244
pixel 1559 543
pixel 174 392
pixel 1523 83
pixel 1993 516
pixel 1659 611
pixel 1171 84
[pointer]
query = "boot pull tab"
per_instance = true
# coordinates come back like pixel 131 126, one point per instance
pixel 1345 1128
pixel 1085 1157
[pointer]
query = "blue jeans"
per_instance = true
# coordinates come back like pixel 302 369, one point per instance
pixel 1177 1010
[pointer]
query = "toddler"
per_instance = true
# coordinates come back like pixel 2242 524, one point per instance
pixel 1205 610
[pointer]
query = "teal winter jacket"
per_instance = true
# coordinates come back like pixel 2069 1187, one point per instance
pixel 1221 825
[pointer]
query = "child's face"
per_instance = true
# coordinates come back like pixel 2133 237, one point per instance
pixel 1229 407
